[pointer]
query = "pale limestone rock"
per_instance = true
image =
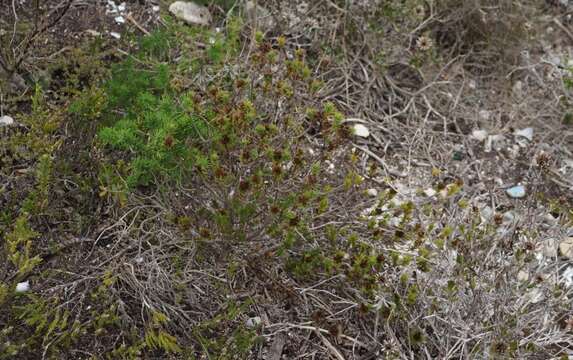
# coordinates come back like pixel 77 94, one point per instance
pixel 191 13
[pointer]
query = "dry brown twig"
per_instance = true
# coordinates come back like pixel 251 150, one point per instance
pixel 13 55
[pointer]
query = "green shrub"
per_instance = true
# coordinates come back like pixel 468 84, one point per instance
pixel 19 247
pixel 157 118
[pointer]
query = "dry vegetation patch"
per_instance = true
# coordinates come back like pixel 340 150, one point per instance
pixel 329 184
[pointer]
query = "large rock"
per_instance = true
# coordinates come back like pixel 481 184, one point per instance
pixel 191 13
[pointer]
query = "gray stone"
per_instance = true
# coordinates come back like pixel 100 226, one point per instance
pixel 6 121
pixel 191 13
pixel 253 322
pixel 526 133
pixel 516 192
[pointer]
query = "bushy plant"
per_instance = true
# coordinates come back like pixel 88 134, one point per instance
pixel 237 149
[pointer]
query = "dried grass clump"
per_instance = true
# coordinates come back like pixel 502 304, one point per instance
pixel 238 218
pixel 489 32
pixel 22 26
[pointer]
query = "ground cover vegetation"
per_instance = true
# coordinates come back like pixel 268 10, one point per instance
pixel 204 192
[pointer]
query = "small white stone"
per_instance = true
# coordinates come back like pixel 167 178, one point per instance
pixel 472 84
pixel 155 8
pixel 253 322
pixel 361 130
pixel 23 287
pixel 115 35
pixel 486 213
pixel 526 133
pixel 111 7
pixel 372 192
pixel 429 192
pixel 516 192
pixel 522 275
pixel 6 120
pixel 190 12
pixel 119 19
pixel 479 135
pixel 121 7
pixel 549 219
pixel 566 248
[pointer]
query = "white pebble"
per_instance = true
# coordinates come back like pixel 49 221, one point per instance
pixel 479 135
pixel 361 130
pixel 526 133
pixel 6 120
pixel 253 322
pixel 23 287
pixel 522 276
pixel 372 192
pixel 516 191
pixel 430 192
